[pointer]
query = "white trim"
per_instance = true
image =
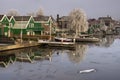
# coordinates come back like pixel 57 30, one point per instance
pixel 28 22
pixel 4 17
pixel 11 18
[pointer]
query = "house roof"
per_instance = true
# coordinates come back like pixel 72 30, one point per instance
pixel 9 17
pixel 64 18
pixel 1 16
pixel 22 18
pixel 105 18
pixel 41 18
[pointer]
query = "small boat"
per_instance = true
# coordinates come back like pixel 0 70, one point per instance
pixel 62 39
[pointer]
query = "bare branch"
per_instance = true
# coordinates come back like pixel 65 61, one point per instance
pixel 78 21
pixel 12 12
pixel 40 12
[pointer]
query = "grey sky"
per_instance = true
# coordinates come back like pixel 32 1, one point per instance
pixel 93 8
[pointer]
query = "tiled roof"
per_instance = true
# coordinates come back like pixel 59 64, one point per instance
pixel 64 18
pixel 41 18
pixel 22 18
pixel 1 16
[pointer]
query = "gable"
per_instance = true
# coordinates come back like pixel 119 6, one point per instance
pixel 1 17
pixel 12 21
pixel 5 20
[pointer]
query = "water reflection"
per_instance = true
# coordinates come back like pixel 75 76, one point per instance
pixel 106 41
pixel 24 55
pixel 38 54
pixel 6 59
pixel 77 55
pixel 55 64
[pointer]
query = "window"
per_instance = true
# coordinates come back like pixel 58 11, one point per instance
pixel 31 25
pixel 10 25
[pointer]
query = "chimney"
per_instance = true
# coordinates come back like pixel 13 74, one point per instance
pixel 57 17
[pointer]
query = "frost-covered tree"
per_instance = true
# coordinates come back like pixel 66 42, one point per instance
pixel 78 21
pixel 12 12
pixel 40 12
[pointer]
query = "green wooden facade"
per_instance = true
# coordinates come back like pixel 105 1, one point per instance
pixel 27 25
pixel 4 25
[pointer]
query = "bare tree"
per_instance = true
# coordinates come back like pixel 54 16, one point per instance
pixel 40 12
pixel 12 12
pixel 78 21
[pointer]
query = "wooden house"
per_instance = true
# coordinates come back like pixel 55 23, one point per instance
pixel 47 22
pixel 4 23
pixel 24 25
pixel 12 26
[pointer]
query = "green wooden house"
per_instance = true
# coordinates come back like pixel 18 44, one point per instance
pixel 24 25
pixel 4 25
pixel 27 25
pixel 46 22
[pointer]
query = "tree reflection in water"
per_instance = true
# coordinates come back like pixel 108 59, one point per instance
pixel 77 55
pixel 35 53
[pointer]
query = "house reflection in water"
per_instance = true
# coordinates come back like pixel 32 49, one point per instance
pixel 77 55
pixel 6 59
pixel 31 55
pixel 24 55
pixel 106 41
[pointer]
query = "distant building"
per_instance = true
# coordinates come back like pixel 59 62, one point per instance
pixel 63 22
pixel 102 24
pixel 106 20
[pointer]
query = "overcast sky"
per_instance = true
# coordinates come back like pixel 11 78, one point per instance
pixel 93 8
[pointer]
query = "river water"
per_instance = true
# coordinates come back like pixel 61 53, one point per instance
pixel 64 64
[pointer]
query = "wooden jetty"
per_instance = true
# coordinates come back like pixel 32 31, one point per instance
pixel 18 46
pixel 88 39
pixel 57 44
pixel 84 39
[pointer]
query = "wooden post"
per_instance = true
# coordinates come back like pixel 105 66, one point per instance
pixel 50 31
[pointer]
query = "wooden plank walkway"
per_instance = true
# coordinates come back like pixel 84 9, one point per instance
pixel 57 44
pixel 32 44
pixel 18 46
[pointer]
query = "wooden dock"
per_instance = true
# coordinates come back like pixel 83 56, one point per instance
pixel 87 39
pixel 57 44
pixel 18 46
